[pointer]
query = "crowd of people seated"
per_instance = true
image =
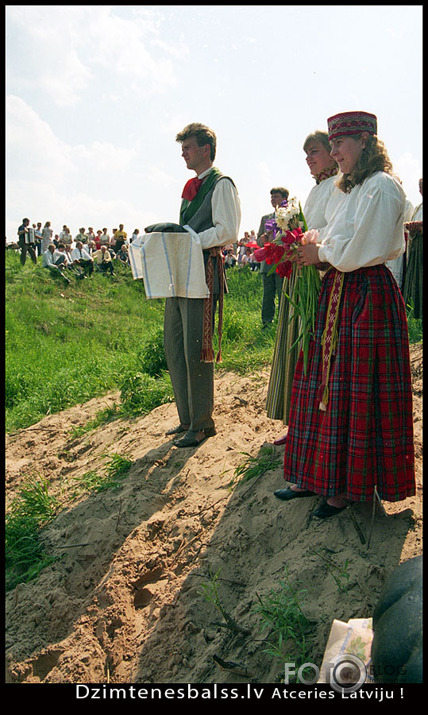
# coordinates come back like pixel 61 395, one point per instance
pixel 78 256
pixel 61 253
pixel 242 253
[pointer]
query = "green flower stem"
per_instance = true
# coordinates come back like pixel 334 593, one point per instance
pixel 305 303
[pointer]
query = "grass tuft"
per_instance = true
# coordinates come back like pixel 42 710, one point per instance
pixel 30 511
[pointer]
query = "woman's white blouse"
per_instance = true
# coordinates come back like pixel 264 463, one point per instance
pixel 366 226
pixel 319 196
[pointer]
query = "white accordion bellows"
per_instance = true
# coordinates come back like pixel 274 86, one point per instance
pixel 170 264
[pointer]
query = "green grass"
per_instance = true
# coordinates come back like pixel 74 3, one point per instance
pixel 34 508
pixel 414 326
pixel 68 344
pixel 255 467
pixel 282 616
pixel 30 511
pixel 117 469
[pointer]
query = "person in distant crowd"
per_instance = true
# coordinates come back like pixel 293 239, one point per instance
pixel 120 237
pixel 65 236
pixel 135 235
pixel 413 281
pixel 91 235
pixel 122 255
pixel 113 241
pixel 12 246
pixel 61 257
pixel 82 237
pixel 254 264
pixel 55 262
pixel 27 241
pixel 103 260
pixel 70 264
pixel 272 282
pixel 210 207
pixel 98 240
pixel 246 258
pixel 350 435
pixel 38 237
pixel 82 258
pixel 242 244
pixel 47 234
pixel 230 259
pixel 105 237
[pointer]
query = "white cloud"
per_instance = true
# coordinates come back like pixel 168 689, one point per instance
pixel 33 150
pixel 98 93
pixel 48 179
pixel 103 157
pixel 62 49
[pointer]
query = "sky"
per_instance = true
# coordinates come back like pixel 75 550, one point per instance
pixel 96 94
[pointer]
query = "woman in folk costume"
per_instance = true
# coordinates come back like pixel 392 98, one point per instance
pixel 351 426
pixel 287 347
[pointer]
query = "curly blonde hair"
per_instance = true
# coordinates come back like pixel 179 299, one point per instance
pixel 374 157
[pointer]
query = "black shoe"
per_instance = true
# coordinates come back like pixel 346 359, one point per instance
pixel 191 440
pixel 326 510
pixel 287 494
pixel 176 430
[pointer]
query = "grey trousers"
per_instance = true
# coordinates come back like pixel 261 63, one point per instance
pixel 272 287
pixel 192 380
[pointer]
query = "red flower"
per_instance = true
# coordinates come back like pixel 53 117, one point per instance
pixel 278 254
pixel 284 269
pixel 291 237
pixel 262 254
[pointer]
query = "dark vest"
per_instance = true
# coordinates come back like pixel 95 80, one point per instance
pixel 203 220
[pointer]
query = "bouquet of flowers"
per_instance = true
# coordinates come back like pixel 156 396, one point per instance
pixel 287 229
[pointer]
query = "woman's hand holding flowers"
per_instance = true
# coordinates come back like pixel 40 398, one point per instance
pixel 307 255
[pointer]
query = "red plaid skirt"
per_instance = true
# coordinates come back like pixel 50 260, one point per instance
pixel 364 439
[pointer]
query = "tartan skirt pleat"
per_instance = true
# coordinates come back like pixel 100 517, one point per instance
pixel 365 437
pixel 285 356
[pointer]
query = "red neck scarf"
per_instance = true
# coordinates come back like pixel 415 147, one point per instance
pixel 191 188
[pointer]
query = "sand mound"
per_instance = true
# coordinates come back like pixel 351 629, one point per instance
pixel 124 602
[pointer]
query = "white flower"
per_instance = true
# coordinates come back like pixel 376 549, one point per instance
pixel 284 215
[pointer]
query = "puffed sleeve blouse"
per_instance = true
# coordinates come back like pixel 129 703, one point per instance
pixel 366 226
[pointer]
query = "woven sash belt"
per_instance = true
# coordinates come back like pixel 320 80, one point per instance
pixel 330 336
pixel 207 353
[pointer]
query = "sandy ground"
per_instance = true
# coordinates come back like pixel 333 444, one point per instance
pixel 124 602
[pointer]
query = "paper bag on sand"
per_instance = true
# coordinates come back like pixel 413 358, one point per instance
pixel 351 638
